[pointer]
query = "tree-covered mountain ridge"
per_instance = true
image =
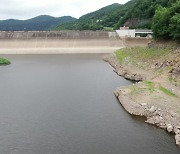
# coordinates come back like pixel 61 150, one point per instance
pixel 42 22
pixel 134 14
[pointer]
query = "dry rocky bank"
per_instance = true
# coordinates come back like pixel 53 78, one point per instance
pixel 155 95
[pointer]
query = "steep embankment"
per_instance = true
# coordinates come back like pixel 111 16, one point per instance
pixel 156 95
pixel 55 42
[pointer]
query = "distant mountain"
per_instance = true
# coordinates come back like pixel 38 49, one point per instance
pixel 43 22
pixel 134 14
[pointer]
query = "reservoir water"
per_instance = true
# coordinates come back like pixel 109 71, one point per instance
pixel 64 104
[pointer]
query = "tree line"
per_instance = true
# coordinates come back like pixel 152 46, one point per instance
pixel 166 22
pixel 163 16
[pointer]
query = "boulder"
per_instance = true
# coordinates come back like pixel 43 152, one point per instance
pixel 169 128
pixel 177 130
pixel 177 138
pixel 116 92
pixel 152 109
pixel 143 104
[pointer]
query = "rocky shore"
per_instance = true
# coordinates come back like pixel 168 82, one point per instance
pixel 146 97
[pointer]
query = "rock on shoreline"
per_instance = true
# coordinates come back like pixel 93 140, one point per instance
pixel 141 105
pixel 155 116
pixel 121 71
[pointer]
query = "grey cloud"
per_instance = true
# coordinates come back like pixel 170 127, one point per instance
pixel 7 12
pixel 24 9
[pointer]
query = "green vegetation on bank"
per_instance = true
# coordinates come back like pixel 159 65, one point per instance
pixel 151 87
pixel 141 56
pixel 4 61
pixel 161 60
pixel 167 91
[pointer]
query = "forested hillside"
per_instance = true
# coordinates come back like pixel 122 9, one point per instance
pixel 141 13
pixel 42 22
pixel 134 14
pixel 166 22
pixel 90 21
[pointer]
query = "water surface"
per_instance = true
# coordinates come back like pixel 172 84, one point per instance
pixel 64 104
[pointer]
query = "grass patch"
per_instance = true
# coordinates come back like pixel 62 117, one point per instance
pixel 141 56
pixel 135 89
pixel 4 61
pixel 151 53
pixel 167 91
pixel 122 55
pixel 150 85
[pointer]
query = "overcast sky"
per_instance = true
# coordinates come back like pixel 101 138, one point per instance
pixel 25 9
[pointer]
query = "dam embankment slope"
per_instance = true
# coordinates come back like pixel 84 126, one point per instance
pixel 54 42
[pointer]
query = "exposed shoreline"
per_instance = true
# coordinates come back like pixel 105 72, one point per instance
pixel 154 106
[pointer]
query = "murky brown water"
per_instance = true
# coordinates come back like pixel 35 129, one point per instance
pixel 64 104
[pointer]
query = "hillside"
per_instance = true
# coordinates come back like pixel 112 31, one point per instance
pixel 90 21
pixel 42 22
pixel 141 13
pixel 134 14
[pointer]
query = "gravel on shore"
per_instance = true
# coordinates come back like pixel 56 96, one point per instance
pixel 159 109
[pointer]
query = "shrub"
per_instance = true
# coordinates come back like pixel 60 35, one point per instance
pixel 4 61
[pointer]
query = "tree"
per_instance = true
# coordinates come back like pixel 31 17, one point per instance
pixel 166 22
pixel 160 25
pixel 175 26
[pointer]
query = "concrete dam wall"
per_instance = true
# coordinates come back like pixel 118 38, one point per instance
pixel 54 42
pixel 58 35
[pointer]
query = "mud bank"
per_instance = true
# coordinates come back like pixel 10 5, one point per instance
pixel 146 98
